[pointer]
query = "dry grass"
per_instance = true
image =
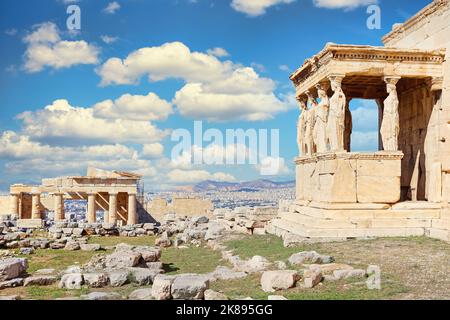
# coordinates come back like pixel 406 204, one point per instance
pixel 412 268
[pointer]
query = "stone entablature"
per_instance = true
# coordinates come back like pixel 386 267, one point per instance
pixel 352 60
pixel 350 177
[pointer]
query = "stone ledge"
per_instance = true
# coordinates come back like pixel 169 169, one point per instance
pixel 380 155
pixel 416 205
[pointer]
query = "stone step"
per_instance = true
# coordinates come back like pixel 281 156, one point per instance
pixel 355 223
pixel 439 234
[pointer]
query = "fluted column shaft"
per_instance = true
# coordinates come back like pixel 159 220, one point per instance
pixel 35 206
pixel 59 206
pixel 91 213
pixel 132 213
pixel 113 208
pixel 14 210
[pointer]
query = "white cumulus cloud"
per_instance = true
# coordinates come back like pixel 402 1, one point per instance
pixel 134 107
pixel 255 8
pixel 194 101
pixel 108 39
pixel 218 52
pixel 45 48
pixel 215 90
pixel 112 7
pixel 152 150
pixel 60 122
pixel 343 4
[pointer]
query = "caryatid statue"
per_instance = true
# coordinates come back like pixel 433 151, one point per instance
pixel 303 121
pixel 311 120
pixel 336 117
pixel 321 117
pixel 390 125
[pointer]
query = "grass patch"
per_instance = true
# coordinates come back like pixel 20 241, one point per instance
pixel 190 260
pixel 268 246
pixel 56 259
pixel 48 293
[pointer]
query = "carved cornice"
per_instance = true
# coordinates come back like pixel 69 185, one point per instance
pixel 334 52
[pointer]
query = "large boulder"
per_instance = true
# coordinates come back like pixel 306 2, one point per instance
pixel 90 247
pixel 256 264
pixel 71 281
pixel 189 287
pixel 142 276
pixel 214 231
pixel 163 241
pixel 9 298
pixel 141 294
pixel 96 280
pixel 102 296
pixel 11 268
pixel 214 295
pixel 349 273
pixel 122 259
pixel 118 278
pixel 17 282
pixel 161 289
pixel 72 246
pixel 309 257
pixel 200 220
pixel 272 281
pixel 149 254
pixel 312 278
pixel 39 281
pixel 225 273
pixel 330 267
pixel 13 236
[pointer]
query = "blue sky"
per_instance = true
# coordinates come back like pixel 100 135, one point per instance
pixel 111 94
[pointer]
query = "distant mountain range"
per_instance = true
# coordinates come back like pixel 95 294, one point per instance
pixel 256 185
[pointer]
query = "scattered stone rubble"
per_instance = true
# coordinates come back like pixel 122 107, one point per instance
pixel 141 265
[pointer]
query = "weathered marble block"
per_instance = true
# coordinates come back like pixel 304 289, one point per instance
pixel 350 177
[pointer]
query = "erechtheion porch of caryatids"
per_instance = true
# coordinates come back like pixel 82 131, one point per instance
pixel 114 193
pixel 404 187
pixel 406 84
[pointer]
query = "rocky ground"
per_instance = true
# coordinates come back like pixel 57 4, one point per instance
pixel 221 259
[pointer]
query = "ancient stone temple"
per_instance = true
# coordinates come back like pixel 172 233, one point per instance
pixel 404 188
pixel 115 193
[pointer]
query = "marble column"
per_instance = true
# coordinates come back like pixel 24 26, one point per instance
pixel 132 213
pixel 35 205
pixel 59 206
pixel 113 208
pixel 91 213
pixel 14 210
